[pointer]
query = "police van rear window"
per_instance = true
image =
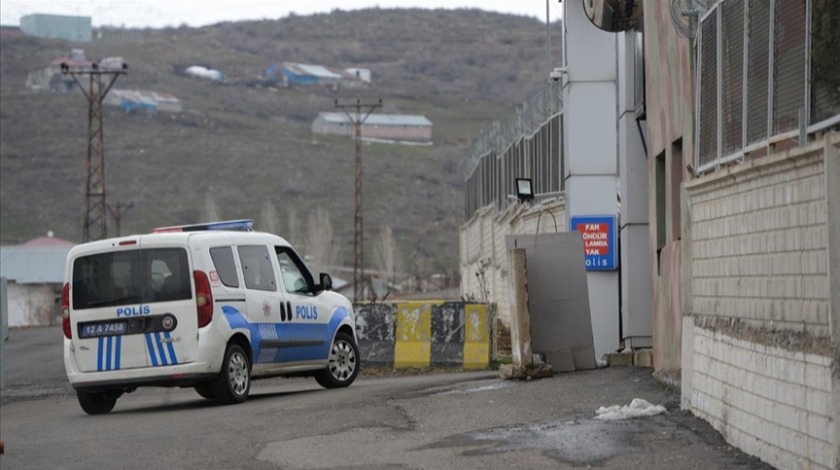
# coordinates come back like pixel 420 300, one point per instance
pixel 225 266
pixel 131 277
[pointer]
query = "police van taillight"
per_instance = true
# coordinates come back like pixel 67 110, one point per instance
pixel 203 298
pixel 65 310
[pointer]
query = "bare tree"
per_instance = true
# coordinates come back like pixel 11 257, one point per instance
pixel 386 255
pixel 268 218
pixel 211 212
pixel 321 247
pixel 292 235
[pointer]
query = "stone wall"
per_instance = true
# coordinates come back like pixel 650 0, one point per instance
pixel 757 347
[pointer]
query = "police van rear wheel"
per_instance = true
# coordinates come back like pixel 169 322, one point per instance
pixel 97 403
pixel 343 366
pixel 234 382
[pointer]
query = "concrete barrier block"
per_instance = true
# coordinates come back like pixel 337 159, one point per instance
pixel 619 359
pixel 376 332
pixel 413 346
pixel 476 336
pixel 423 334
pixel 643 358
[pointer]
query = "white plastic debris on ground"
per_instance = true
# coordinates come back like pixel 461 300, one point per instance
pixel 636 409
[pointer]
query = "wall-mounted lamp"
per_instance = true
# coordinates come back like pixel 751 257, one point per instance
pixel 524 189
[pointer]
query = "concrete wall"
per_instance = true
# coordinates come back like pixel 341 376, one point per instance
pixel 423 334
pixel 33 304
pixel 757 346
pixel 484 256
pixel 670 145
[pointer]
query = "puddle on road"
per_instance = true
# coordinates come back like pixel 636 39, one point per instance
pixel 483 388
pixel 578 442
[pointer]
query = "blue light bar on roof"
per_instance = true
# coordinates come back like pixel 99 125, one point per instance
pixel 243 225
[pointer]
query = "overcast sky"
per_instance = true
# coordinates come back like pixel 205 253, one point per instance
pixel 162 13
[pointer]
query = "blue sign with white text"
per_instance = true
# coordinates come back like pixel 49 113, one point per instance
pixel 600 246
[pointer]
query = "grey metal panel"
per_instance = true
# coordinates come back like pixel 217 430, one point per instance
pixel 558 298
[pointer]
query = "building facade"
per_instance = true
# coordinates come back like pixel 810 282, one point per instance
pixel 64 27
pixel 50 77
pixel 34 272
pixel 387 127
pixel 743 149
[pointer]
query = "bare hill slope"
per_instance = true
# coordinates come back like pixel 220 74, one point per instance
pixel 241 147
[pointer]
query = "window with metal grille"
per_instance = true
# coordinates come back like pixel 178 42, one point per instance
pixel 788 64
pixel 732 76
pixel 758 70
pixel 708 91
pixel 825 66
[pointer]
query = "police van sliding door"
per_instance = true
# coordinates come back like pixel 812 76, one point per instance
pixel 307 316
pixel 266 311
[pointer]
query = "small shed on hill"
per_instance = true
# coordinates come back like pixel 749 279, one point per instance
pixel 389 127
pixel 34 272
pixel 142 100
pixel 50 78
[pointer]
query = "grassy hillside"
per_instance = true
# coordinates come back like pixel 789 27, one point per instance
pixel 242 145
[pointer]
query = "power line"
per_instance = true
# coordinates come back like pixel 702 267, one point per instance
pixel 358 238
pixel 95 223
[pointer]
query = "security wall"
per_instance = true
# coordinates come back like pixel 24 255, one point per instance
pixel 484 268
pixel 757 345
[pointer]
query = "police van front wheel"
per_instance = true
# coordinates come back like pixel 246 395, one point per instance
pixel 234 381
pixel 343 366
pixel 97 403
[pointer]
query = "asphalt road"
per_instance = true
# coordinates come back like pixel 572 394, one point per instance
pixel 430 421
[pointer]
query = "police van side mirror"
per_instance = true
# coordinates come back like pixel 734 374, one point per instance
pixel 325 282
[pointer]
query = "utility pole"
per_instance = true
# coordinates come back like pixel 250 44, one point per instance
pixel 95 217
pixel 358 239
pixel 118 213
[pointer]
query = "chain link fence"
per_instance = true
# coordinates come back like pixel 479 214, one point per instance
pixel 526 144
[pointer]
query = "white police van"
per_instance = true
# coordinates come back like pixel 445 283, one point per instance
pixel 210 306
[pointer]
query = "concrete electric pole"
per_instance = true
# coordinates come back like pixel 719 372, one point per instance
pixel 358 240
pixel 118 212
pixel 95 213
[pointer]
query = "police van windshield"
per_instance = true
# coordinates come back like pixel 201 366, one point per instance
pixel 131 277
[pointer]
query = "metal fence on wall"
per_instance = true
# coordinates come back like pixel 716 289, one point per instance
pixel 767 71
pixel 525 145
